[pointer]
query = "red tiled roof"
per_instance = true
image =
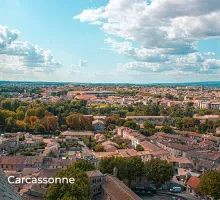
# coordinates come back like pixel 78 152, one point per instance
pixel 78 133
pixel 85 97
pixel 116 189
pixel 12 160
pixel 149 146
pixel 193 182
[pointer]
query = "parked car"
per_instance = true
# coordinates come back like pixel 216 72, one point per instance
pixel 142 190
pixel 175 189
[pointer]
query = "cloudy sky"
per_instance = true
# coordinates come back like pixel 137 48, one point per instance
pixel 134 41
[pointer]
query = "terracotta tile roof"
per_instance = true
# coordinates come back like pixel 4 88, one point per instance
pixel 79 133
pixel 152 137
pixel 193 182
pixel 206 143
pixel 178 146
pixel 57 162
pixel 110 148
pixel 207 155
pixel 31 160
pixel 99 155
pixel 12 160
pixel 149 146
pixel 116 189
pixel 29 171
pixel 127 152
pixel 46 173
pixel 189 133
pixel 160 152
pixel 205 163
pixel 94 173
pixel 85 97
pixel 181 160
pixel 109 143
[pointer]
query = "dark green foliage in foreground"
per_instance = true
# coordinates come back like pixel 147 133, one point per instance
pixel 159 171
pixel 210 184
pixel 128 169
pixel 80 190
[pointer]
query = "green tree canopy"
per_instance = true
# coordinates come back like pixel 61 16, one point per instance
pixel 128 168
pixel 80 189
pixel 98 148
pixel 166 129
pixel 130 124
pixel 210 184
pixel 139 148
pixel 159 171
pixel 148 125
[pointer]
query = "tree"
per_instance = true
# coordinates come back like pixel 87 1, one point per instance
pixel 79 190
pixel 106 165
pixel 20 125
pixel 148 125
pixel 148 132
pixel 139 148
pixel 78 122
pixel 40 112
pixel 159 171
pixel 20 115
pixel 120 122
pixel 50 123
pixel 210 184
pixel 33 120
pixel 67 197
pixel 30 112
pixel 84 165
pixel 10 124
pixel 15 104
pixel 130 124
pixel 98 148
pixel 128 168
pixel 4 114
pixel 109 120
pixel 51 154
pixel 6 105
pixel 60 119
pixel 166 129
pixel 39 128
pixel 135 168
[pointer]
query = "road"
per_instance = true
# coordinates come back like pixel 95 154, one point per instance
pixel 155 197
pixel 168 197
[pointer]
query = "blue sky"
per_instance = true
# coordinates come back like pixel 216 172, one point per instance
pixel 109 41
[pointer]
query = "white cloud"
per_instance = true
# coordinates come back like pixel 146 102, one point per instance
pixel 166 33
pixel 209 53
pixel 170 25
pixel 24 54
pixel 140 54
pixel 82 63
pixel 7 36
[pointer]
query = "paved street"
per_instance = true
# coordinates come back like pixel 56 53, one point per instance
pixel 165 197
pixel 156 197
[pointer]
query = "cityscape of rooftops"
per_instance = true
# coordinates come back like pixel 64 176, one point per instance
pixel 115 99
